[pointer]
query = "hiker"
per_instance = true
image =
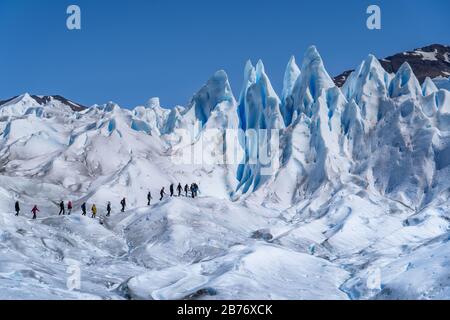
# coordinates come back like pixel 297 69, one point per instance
pixel 192 190
pixel 108 209
pixel 83 209
pixel 123 203
pixel 62 210
pixel 162 193
pixel 34 210
pixel 171 190
pixel 179 189
pixel 17 207
pixel 94 211
pixel 186 189
pixel 196 189
pixel 149 198
pixel 69 208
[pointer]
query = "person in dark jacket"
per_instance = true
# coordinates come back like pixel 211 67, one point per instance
pixel 62 209
pixel 34 211
pixel 108 209
pixel 186 190
pixel 192 190
pixel 17 208
pixel 123 203
pixel 179 189
pixel 171 190
pixel 196 189
pixel 149 198
pixel 162 193
pixel 83 209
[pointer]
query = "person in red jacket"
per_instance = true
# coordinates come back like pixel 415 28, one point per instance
pixel 34 210
pixel 69 208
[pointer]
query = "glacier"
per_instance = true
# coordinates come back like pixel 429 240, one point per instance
pixel 356 206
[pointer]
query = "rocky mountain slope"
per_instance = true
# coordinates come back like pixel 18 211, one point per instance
pixel 432 61
pixel 44 100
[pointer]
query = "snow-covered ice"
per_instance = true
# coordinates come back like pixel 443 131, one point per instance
pixel 357 207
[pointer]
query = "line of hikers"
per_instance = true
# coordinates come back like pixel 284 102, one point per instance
pixel 193 188
pixel 62 209
pixel 35 209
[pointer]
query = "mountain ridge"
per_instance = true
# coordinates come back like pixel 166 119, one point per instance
pixel 430 61
pixel 421 61
pixel 43 100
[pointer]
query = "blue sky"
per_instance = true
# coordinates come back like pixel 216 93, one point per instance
pixel 129 51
